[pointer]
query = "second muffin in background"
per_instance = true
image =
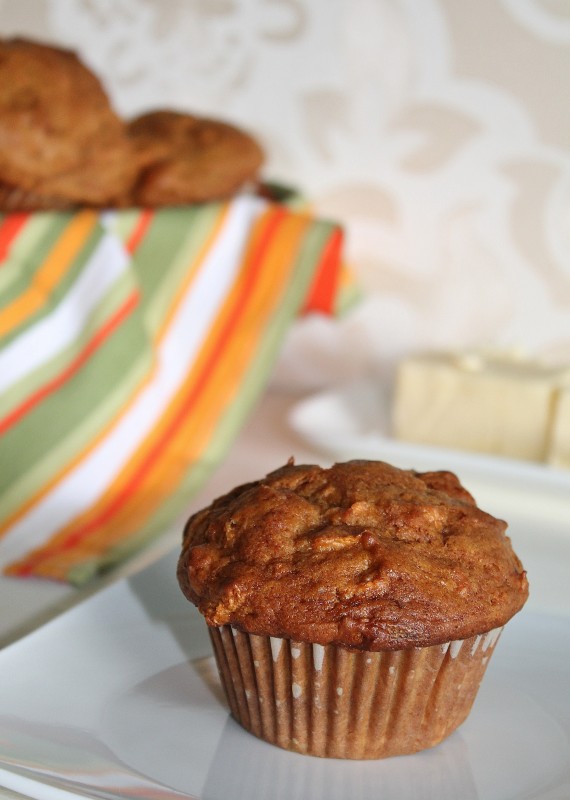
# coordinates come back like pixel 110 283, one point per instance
pixel 352 610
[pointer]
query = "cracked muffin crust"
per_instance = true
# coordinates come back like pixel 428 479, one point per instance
pixel 362 555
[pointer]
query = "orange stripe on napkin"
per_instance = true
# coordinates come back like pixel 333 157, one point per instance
pixel 9 230
pixel 60 260
pixel 323 290
pixel 138 233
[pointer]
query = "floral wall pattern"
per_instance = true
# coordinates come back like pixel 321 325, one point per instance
pixel 438 131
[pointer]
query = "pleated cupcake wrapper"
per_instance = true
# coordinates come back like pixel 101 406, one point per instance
pixel 337 703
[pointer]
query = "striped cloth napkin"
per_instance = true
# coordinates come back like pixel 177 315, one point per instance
pixel 132 345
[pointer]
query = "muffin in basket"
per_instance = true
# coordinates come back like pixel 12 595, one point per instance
pixel 352 610
pixel 63 147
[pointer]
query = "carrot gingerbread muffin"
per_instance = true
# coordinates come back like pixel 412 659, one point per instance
pixel 353 610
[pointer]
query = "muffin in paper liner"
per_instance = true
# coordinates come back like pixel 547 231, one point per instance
pixel 333 702
pixel 352 609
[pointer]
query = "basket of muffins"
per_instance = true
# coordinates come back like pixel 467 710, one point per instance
pixel 353 610
pixel 149 279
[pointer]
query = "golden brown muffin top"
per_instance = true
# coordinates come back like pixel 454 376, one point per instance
pixel 362 555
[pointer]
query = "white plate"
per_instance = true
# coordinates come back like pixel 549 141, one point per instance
pixel 118 698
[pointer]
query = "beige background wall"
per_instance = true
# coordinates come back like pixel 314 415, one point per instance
pixel 437 130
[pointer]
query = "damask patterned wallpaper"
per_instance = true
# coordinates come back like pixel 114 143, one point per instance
pixel 438 131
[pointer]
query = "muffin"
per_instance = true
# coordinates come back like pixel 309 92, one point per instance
pixel 352 610
pixel 61 142
pixel 63 146
pixel 190 159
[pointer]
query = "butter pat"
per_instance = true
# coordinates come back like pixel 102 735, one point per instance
pixel 559 450
pixel 503 404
